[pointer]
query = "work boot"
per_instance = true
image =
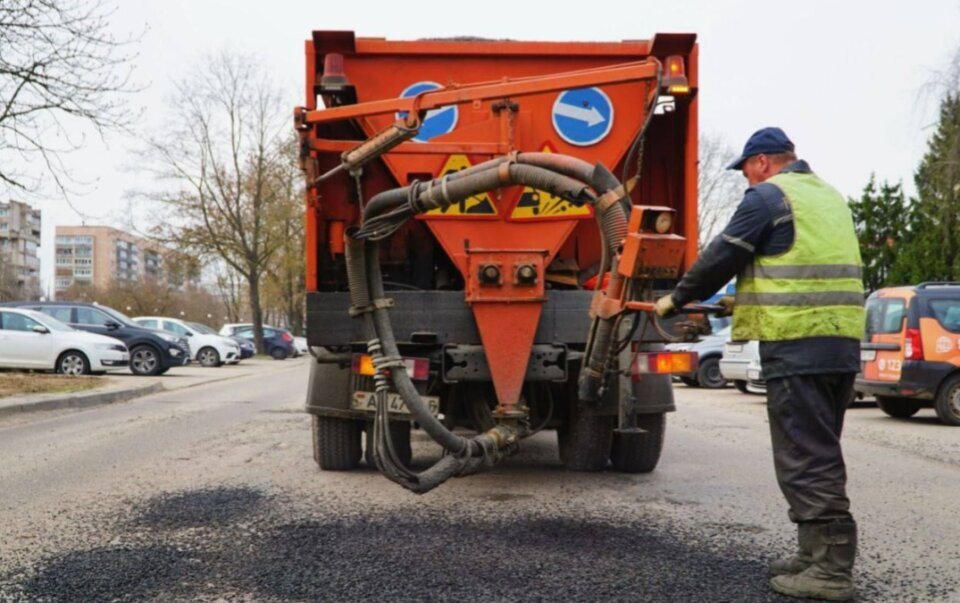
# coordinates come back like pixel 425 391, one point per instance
pixel 800 560
pixel 829 576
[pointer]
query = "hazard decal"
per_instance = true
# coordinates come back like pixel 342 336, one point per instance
pixel 535 204
pixel 476 206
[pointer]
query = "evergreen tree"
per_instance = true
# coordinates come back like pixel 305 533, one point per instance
pixel 878 220
pixel 931 249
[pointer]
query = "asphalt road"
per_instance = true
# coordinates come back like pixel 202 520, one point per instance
pixel 210 494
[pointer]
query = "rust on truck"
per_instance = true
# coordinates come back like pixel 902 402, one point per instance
pixel 484 221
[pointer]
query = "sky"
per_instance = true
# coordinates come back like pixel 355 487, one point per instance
pixel 848 81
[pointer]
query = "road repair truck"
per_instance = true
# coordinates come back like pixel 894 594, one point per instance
pixel 487 223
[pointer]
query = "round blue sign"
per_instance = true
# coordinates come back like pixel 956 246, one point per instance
pixel 437 121
pixel 583 116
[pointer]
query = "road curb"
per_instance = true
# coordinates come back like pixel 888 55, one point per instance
pixel 77 400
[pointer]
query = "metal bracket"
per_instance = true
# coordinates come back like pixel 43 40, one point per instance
pixel 548 362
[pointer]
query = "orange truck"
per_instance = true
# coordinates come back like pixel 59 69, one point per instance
pixel 487 223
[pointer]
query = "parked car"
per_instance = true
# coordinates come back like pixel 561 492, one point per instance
pixel 230 329
pixel 206 346
pixel 709 352
pixel 33 340
pixel 911 352
pixel 277 343
pixel 247 349
pixel 741 364
pixel 300 343
pixel 152 352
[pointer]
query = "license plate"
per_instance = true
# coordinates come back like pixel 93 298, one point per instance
pixel 367 401
pixel 868 355
pixel 734 349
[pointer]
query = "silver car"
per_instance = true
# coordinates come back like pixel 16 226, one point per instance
pixel 741 364
pixel 709 351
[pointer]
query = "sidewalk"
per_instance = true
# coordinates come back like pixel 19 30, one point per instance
pixel 124 386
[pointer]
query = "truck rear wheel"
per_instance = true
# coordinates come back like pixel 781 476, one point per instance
pixel 336 443
pixel 400 434
pixel 640 453
pixel 585 439
pixel 901 408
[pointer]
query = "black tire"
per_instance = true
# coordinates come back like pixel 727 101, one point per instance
pixel 689 382
pixel 73 363
pixel 400 434
pixel 947 403
pixel 708 375
pixel 741 386
pixel 145 361
pixel 208 357
pixel 336 443
pixel 640 453
pixel 278 353
pixel 900 408
pixel 585 439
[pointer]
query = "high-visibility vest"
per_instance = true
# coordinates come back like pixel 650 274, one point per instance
pixel 813 289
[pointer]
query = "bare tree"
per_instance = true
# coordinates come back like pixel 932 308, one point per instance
pixel 285 284
pixel 59 67
pixel 720 189
pixel 218 155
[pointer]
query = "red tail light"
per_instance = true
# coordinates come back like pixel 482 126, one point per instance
pixel 417 368
pixel 913 345
pixel 664 363
pixel 287 337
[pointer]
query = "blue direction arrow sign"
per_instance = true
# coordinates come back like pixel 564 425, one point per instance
pixel 438 121
pixel 583 116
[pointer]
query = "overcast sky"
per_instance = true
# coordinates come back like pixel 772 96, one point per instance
pixel 844 79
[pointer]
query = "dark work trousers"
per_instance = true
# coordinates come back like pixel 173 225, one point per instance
pixel 806 418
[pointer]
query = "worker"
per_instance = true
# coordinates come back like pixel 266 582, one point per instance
pixel 792 246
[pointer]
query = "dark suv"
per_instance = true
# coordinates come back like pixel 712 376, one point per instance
pixel 152 352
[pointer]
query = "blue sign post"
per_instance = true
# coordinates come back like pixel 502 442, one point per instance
pixel 583 116
pixel 438 121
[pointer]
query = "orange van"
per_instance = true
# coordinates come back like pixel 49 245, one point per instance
pixel 911 352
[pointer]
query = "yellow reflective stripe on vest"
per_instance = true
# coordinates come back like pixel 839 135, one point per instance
pixel 821 271
pixel 814 298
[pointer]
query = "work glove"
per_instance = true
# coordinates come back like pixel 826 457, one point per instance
pixel 728 302
pixel 665 306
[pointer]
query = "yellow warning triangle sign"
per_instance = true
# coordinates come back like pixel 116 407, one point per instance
pixel 477 205
pixel 538 204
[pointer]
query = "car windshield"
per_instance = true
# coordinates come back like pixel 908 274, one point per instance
pixel 884 315
pixel 50 322
pixel 119 316
pixel 724 332
pixel 202 328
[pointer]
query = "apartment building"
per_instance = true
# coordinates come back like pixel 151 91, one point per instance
pixel 103 255
pixel 19 246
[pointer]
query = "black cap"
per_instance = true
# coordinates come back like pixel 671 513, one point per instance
pixel 766 141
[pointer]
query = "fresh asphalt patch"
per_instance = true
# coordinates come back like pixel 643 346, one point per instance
pixel 244 544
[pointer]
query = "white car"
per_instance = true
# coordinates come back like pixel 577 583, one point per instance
pixel 206 346
pixel 741 364
pixel 300 343
pixel 33 340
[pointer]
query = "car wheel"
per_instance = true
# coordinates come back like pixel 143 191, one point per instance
pixel 900 408
pixel 948 402
pixel 278 353
pixel 73 363
pixel 208 357
pixel 709 376
pixel 145 361
pixel 741 386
